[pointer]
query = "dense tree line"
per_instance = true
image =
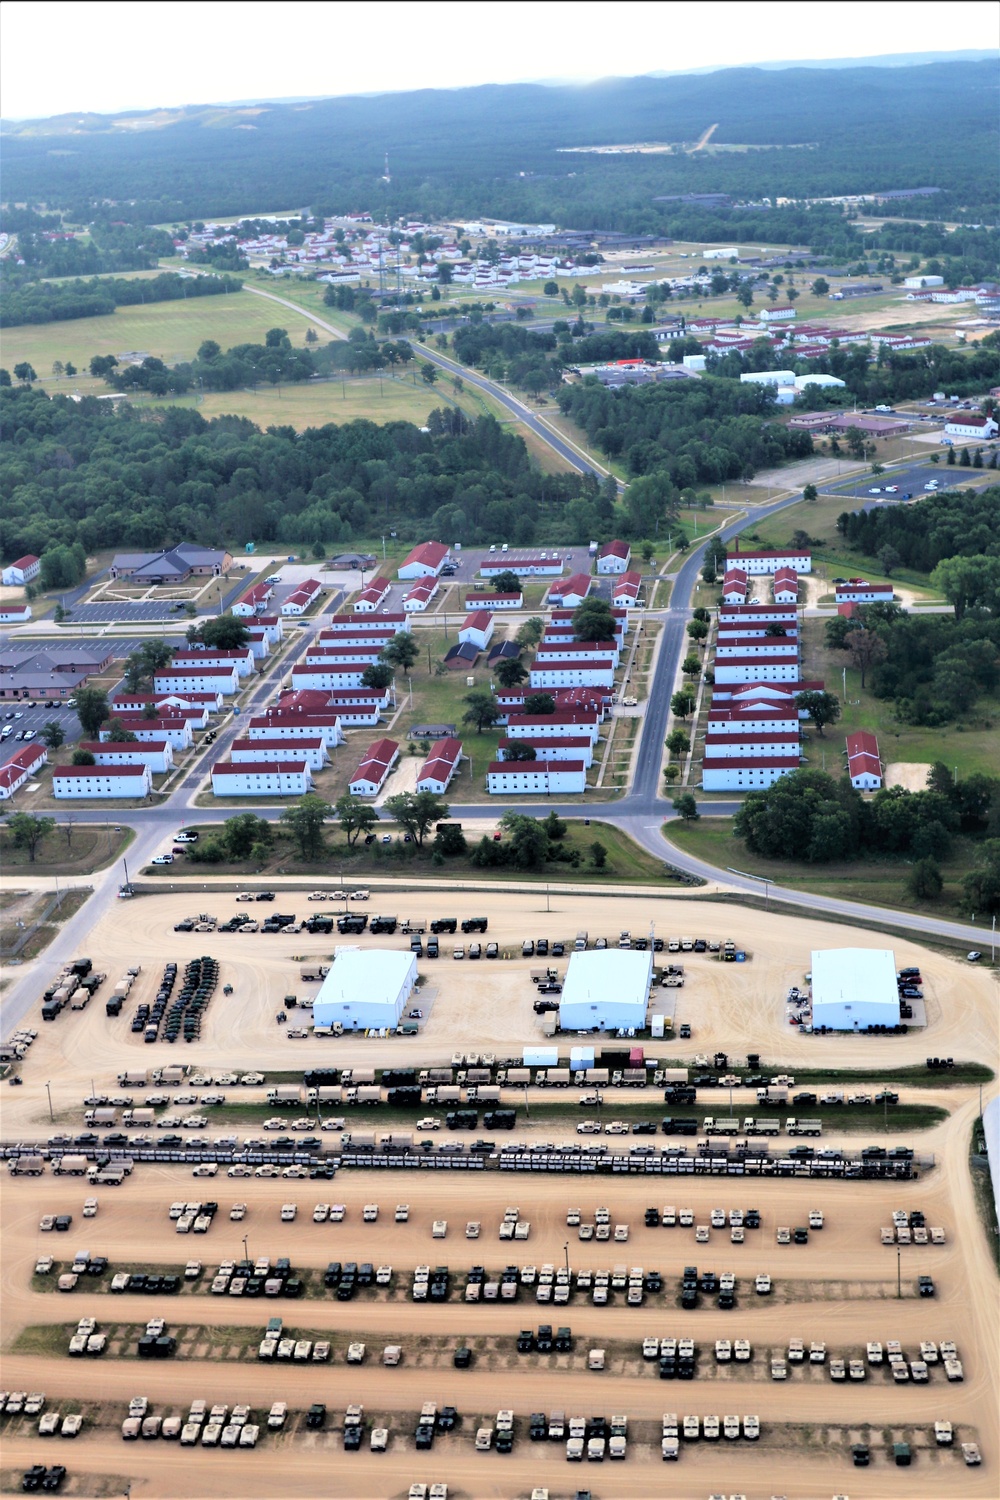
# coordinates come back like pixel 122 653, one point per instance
pixel 78 472
pixel 949 524
pixel 695 432
pixel 50 302
pixel 933 668
pixel 111 246
pixel 816 818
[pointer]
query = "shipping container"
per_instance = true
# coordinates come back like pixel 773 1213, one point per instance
pixel 541 1057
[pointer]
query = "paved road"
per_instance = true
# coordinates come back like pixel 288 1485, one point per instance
pixel 303 312
pixel 641 813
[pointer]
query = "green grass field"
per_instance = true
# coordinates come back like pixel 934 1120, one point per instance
pixel 831 554
pixel 626 862
pixel 170 330
pixel 875 882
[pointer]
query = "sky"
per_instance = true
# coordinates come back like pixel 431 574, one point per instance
pixel 101 57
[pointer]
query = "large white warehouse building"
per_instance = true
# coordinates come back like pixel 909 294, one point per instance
pixel 853 988
pixel 606 989
pixel 365 989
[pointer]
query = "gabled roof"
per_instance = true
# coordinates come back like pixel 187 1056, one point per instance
pixel 440 762
pixel 93 771
pixel 616 549
pixel 504 651
pixel 428 553
pixel 465 651
pixel 377 758
pixel 862 754
pixel 477 619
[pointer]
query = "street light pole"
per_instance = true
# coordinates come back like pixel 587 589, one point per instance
pixel 48 1090
pixel 899 1273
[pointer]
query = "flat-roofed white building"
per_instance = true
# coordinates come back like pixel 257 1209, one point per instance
pixel 606 990
pixel 365 989
pixel 853 988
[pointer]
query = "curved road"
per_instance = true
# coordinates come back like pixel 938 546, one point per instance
pixel 641 813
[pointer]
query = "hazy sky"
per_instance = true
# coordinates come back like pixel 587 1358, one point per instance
pixel 91 55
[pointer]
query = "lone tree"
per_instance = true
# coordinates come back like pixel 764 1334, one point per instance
pixel 354 816
pixel 28 832
pixel 866 649
pixel 53 734
pixel 682 703
pixel 510 672
pixel 507 582
pixel 415 812
pixel 224 632
pixel 402 652
pixel 822 708
pixel 593 621
pixel 598 855
pixel 686 808
pixel 378 675
pixel 482 711
pixel 520 750
pixel 304 821
pixel 92 710
pixel 244 833
pixel 531 631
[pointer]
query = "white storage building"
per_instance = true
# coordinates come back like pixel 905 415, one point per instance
pixel 606 989
pixel 365 989
pixel 853 988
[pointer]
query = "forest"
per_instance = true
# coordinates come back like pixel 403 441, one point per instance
pixel 52 302
pixel 811 817
pixel 950 524
pixel 82 472
pixel 507 151
pixel 690 432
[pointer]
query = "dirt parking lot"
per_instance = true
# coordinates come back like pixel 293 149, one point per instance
pixel 840 1288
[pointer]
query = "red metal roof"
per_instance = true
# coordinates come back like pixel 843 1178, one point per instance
pixel 477 619
pixel 750 739
pixel 552 767
pixel 862 754
pixel 616 549
pixel 78 771
pixel 429 553
pixel 258 767
pixel 442 758
pixel 735 762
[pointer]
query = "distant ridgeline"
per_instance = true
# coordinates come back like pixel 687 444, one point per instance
pixel 53 302
pixel 500 150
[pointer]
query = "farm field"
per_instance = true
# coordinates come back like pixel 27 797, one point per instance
pixel 840 1288
pixel 172 331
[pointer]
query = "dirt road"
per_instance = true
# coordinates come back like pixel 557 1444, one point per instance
pixel 840 1288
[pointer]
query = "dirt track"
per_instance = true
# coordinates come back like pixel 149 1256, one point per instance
pixel 822 1291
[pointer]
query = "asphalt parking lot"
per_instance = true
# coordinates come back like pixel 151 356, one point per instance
pixel 107 614
pixel 34 716
pixel 910 480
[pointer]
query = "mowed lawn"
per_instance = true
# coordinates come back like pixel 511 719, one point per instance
pixel 316 403
pixel 872 881
pixel 172 331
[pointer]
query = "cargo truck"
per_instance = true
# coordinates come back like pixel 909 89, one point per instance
pixel 803 1127
pixel 772 1095
pixel 70 1166
pixel 287 1094
pixel 26 1166
pixel 712 1126
pixel 761 1127
pixel 133 1079
pixel 518 1077
pixel 327 1094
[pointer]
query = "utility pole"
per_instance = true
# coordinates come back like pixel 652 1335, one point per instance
pixel 48 1090
pixel 899 1273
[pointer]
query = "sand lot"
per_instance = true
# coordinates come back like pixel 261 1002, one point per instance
pixel 839 1288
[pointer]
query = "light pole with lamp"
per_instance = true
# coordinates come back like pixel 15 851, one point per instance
pixel 48 1090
